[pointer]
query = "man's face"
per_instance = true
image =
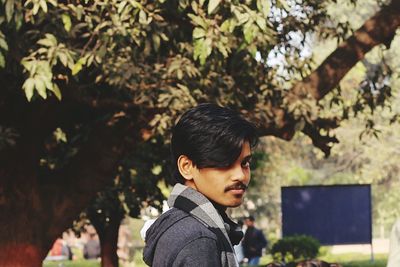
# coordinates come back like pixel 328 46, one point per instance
pixel 224 186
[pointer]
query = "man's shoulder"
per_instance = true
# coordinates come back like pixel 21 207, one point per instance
pixel 181 237
pixel 186 227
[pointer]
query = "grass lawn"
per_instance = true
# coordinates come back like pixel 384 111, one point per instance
pixel 347 260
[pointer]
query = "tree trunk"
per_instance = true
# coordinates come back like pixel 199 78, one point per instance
pixel 23 237
pixel 109 244
pixel 35 208
pixel 21 255
pixel 22 242
pixel 108 235
pixel 23 217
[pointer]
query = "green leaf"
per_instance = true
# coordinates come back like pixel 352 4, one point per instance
pixel 28 87
pixel 79 12
pixel 66 19
pixel 19 20
pixel 212 5
pixel 78 66
pixel 52 38
pixel 249 32
pixel 9 10
pixel 40 86
pixel 198 33
pixel 226 25
pixel 35 8
pixel 121 6
pixel 179 74
pixel 57 92
pixel 156 170
pixel 60 135
pixel 27 3
pixel 262 23
pixel 183 3
pixel 3 44
pixel 2 61
pixel 223 49
pixel 156 41
pixel 27 64
pixel 253 50
pixel 195 6
pixel 264 7
pixel 241 17
pixel 43 5
pixel 46 42
pixel 282 4
pixel 90 59
pixel 202 49
pixel 63 58
pixel 164 37
pixel 142 17
pixel 197 48
pixel 198 21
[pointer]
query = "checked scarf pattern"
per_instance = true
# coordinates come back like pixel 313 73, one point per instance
pixel 196 204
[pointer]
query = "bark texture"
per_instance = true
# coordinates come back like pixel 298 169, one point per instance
pixel 109 241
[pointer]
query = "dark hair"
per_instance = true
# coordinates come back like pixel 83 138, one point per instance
pixel 251 218
pixel 211 137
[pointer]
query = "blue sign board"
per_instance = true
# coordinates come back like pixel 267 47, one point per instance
pixel 338 214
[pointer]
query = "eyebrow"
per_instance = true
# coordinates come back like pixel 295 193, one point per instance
pixel 248 157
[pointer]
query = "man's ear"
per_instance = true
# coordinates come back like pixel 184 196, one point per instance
pixel 185 167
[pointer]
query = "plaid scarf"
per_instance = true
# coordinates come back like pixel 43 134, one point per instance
pixel 196 204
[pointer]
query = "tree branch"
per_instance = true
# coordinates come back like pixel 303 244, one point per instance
pixel 380 29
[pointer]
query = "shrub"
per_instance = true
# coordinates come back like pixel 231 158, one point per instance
pixel 295 248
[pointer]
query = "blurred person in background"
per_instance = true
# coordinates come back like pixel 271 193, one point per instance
pixel 394 252
pixel 91 249
pixel 253 242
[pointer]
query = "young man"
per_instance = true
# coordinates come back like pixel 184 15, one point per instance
pixel 211 152
pixel 253 242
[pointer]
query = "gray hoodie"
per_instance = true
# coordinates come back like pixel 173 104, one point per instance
pixel 178 239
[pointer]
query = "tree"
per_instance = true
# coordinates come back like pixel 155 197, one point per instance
pixel 136 186
pixel 112 73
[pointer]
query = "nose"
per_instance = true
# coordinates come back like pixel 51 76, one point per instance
pixel 241 174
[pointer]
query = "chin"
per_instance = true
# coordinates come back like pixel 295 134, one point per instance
pixel 235 204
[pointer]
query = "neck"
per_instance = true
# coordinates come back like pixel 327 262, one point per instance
pixel 218 207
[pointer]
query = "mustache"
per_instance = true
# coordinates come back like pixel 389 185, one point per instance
pixel 236 186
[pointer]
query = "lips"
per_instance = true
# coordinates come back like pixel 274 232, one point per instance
pixel 237 191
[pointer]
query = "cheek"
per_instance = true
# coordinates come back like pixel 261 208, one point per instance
pixel 248 176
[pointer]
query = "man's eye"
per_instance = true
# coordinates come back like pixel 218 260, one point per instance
pixel 246 164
